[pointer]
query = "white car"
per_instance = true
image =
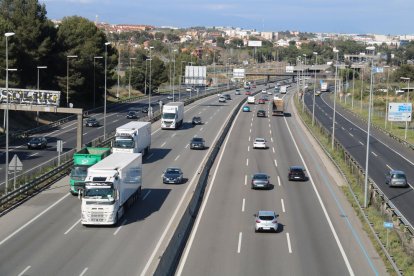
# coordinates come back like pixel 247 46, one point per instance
pixel 269 93
pixel 259 143
pixel 266 221
pixel 222 99
pixel 264 91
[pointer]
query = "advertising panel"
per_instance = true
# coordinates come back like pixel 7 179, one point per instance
pixel 289 69
pixel 30 96
pixel 195 75
pixel 238 73
pixel 399 112
pixel 254 43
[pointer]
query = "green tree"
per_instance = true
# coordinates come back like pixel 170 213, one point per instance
pixel 220 42
pixel 159 36
pixel 406 71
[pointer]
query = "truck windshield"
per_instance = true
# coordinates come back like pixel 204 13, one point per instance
pixel 79 173
pixel 168 115
pixel 124 143
pixel 99 193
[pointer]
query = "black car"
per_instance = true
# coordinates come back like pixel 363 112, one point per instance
pixel 144 110
pixel 132 115
pixel 92 122
pixel 296 173
pixel 261 113
pixel 227 96
pixel 172 175
pixel 197 143
pixel 37 143
pixel 196 120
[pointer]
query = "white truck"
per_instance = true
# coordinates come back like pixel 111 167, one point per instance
pixel 110 187
pixel 324 87
pixel 283 89
pixel 133 137
pixel 251 100
pixel 172 115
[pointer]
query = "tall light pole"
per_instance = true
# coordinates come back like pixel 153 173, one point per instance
pixel 334 110
pixel 150 85
pixel 370 48
pixel 130 72
pixel 38 69
pixel 94 80
pixel 106 58
pixel 228 76
pixel 7 35
pixel 362 84
pixel 386 99
pixel 214 60
pixel 181 79
pixel 353 87
pixel 314 90
pixel 67 78
pixel 173 84
pixel 408 100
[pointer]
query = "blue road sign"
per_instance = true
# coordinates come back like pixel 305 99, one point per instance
pixel 388 225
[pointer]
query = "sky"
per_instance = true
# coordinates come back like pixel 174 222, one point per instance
pixel 336 16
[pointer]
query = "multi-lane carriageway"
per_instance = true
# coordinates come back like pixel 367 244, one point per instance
pixel 319 235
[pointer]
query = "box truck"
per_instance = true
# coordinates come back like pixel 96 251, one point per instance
pixel 133 137
pixel 283 89
pixel 82 160
pixel 172 115
pixel 278 107
pixel 111 186
pixel 324 87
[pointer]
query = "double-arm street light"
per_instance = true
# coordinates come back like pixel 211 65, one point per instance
pixel 67 78
pixel 314 89
pixel 334 109
pixel 106 57
pixel 130 72
pixel 408 100
pixel 38 85
pixel 94 82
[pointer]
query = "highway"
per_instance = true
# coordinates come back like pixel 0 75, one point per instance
pixel 385 153
pixel 318 233
pixel 43 236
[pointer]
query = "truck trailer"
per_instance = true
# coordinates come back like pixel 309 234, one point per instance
pixel 283 89
pixel 324 87
pixel 133 137
pixel 82 160
pixel 172 115
pixel 278 107
pixel 111 186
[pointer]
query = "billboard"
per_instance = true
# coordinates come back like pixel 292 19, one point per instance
pixel 400 112
pixel 195 75
pixel 254 43
pixel 30 96
pixel 238 73
pixel 289 69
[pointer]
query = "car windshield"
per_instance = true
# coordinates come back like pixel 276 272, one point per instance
pixel 168 115
pixel 197 139
pixel 131 113
pixel 398 175
pixel 266 217
pixel 79 172
pixel 124 143
pixel 91 120
pixel 172 171
pixel 196 119
pixel 36 140
pixel 100 193
pixel 259 140
pixel 260 176
pixel 297 170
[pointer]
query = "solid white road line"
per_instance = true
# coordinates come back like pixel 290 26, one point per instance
pixel 239 244
pixel 243 204
pixel 163 144
pixel 178 156
pixel 388 166
pixel 245 179
pixel 273 149
pixel 374 153
pixel 278 181
pixel 147 194
pixel 247 161
pixel 275 162
pixel 283 206
pixel 33 219
pixel 24 271
pixel 119 228
pixel 288 242
pixel 73 226
pixel 83 271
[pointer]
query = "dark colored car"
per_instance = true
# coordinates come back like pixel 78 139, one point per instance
pixel 144 110
pixel 196 120
pixel 132 115
pixel 227 96
pixel 296 173
pixel 197 143
pixel 260 181
pixel 172 175
pixel 261 113
pixel 92 122
pixel 37 143
pixel 262 101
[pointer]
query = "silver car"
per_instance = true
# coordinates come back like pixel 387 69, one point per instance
pixel 266 221
pixel 260 181
pixel 396 178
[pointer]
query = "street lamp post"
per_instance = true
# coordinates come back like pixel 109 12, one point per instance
pixel 67 78
pixel 173 84
pixel 38 69
pixel 228 75
pixel 334 109
pixel 408 100
pixel 130 72
pixel 150 85
pixel 94 80
pixel 181 79
pixel 353 87
pixel 386 99
pixel 106 57
pixel 7 35
pixel 314 91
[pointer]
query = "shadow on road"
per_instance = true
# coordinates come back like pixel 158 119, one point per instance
pixel 155 154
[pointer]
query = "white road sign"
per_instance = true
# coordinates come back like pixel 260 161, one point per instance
pixel 400 112
pixel 15 164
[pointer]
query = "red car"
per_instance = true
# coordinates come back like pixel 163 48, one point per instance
pixel 248 93
pixel 262 101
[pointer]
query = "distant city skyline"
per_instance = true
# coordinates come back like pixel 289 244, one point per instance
pixel 330 16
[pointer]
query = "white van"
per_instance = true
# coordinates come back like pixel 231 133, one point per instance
pixel 251 100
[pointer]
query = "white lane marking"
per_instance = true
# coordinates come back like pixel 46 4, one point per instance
pixel 275 162
pixel 374 154
pixel 85 133
pixel 245 179
pixel 343 128
pixel 33 219
pixel 388 167
pixel 199 113
pixel 145 196
pixel 361 143
pixel 247 161
pixel 271 139
pixel 178 156
pixel 114 121
pixel 24 271
pixel 149 156
pixel 186 146
pixel 73 226
pixel 240 241
pixel 269 126
pixel 163 144
pixel 283 206
pixel 248 148
pixel 250 130
pixel 278 181
pixel 249 138
pixel 270 132
pixel 243 204
pixel 288 242
pixel 338 242
pixel 203 206
pixel 201 129
pixel 251 124
pixel 184 195
pixel 273 149
pixel 173 135
pixel 120 227
pixel 83 271
pixel 351 134
pixel 206 123
pixel 33 154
